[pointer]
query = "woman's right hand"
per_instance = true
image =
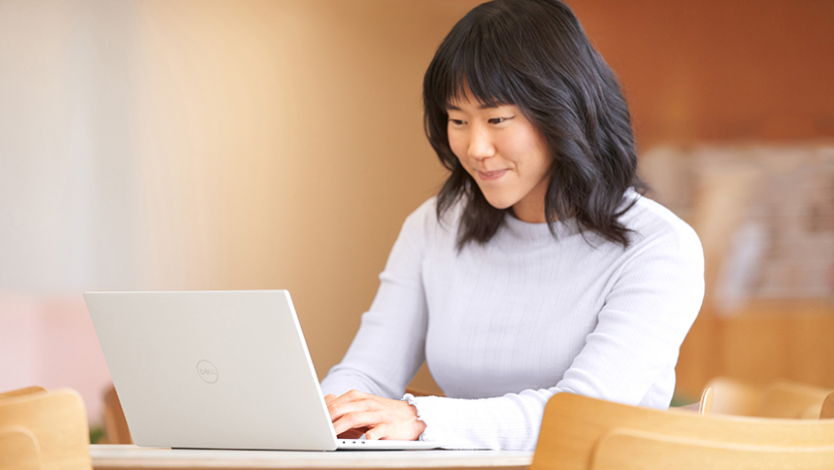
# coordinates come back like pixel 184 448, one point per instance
pixel 356 413
pixel 355 433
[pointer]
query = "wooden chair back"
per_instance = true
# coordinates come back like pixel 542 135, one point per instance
pixel 628 449
pixel 22 391
pixel 783 399
pixel 706 404
pixel 56 420
pixel 115 424
pixel 702 406
pixel 827 411
pixel 780 399
pixel 573 425
pixel 18 449
pixel 734 397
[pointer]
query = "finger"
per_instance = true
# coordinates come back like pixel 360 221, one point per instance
pixel 352 395
pixel 356 420
pixel 329 397
pixel 348 397
pixel 337 410
pixel 380 431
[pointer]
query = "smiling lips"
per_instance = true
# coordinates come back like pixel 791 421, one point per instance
pixel 491 175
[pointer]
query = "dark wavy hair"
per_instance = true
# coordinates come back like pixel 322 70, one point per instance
pixel 534 54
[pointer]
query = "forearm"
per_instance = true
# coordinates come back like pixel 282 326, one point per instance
pixel 510 422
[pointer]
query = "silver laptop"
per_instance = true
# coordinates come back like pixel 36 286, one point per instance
pixel 216 370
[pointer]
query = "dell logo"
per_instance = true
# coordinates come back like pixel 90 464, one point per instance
pixel 207 371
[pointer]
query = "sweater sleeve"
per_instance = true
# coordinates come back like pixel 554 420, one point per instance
pixel 389 347
pixel 646 316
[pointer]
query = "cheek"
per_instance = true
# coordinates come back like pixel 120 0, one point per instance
pixel 457 144
pixel 536 153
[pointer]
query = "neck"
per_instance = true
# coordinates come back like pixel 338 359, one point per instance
pixel 531 208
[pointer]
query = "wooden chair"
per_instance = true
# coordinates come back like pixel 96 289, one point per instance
pixel 702 406
pixel 628 449
pixel 55 421
pixel 574 426
pixel 827 411
pixel 115 424
pixel 706 404
pixel 22 391
pixel 19 449
pixel 783 399
pixel 780 399
pixel 735 397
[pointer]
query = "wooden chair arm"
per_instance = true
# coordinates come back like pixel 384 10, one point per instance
pixel 21 392
pixel 19 449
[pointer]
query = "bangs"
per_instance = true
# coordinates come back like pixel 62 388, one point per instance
pixel 487 88
pixel 473 58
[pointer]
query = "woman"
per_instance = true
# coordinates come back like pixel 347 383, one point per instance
pixel 538 268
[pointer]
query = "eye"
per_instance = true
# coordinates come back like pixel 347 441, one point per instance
pixel 499 120
pixel 456 122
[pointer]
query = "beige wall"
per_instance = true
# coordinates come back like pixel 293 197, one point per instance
pixel 282 147
pixel 215 145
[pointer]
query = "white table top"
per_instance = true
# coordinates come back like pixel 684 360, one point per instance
pixel 124 457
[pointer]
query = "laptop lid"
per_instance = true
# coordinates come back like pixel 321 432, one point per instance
pixel 212 369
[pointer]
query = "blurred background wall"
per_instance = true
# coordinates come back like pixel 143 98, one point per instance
pixel 278 144
pixel 204 145
pixel 733 109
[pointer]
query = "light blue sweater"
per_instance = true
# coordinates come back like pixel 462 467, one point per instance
pixel 506 325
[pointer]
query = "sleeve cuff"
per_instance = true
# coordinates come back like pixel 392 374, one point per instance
pixel 437 413
pixel 413 402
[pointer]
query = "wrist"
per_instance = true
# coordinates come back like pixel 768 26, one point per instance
pixel 418 425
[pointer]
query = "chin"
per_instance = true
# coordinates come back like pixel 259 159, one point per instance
pixel 499 203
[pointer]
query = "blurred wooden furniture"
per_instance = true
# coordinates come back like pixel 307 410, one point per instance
pixel 18 449
pixel 627 449
pixel 56 421
pixel 574 426
pixel 735 397
pixel 779 399
pixel 115 424
pixel 827 411
pixel 702 406
pixel 720 202
pixel 21 391
pixel 112 457
pixel 783 399
pixel 760 340
pixel 706 403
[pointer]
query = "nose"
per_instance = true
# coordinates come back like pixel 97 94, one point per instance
pixel 480 143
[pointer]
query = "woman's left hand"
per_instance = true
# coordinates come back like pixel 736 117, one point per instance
pixel 356 413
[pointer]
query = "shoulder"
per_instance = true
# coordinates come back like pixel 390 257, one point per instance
pixel 425 218
pixel 653 225
pixel 424 213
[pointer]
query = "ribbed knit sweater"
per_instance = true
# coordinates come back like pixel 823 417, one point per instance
pixel 505 325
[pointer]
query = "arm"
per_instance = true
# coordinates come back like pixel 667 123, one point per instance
pixel 390 344
pixel 646 316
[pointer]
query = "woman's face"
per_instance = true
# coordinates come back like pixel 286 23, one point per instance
pixel 504 153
